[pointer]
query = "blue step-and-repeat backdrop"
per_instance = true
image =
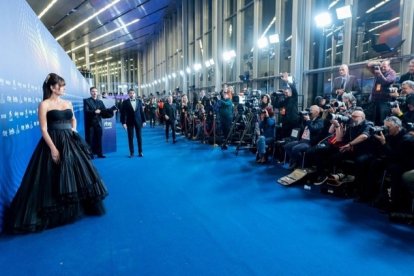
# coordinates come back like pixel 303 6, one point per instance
pixel 28 53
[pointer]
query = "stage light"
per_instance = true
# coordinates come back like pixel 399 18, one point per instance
pixel 323 20
pixel 344 12
pixel 227 56
pixel 197 67
pixel 262 42
pixel 188 70
pixel 273 39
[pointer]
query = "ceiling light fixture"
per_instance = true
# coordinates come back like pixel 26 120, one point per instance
pixel 87 19
pixel 117 29
pixel 106 49
pixel 47 8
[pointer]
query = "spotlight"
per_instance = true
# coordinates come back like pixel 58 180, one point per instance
pixel 273 39
pixel 197 67
pixel 262 42
pixel 188 70
pixel 344 12
pixel 323 20
pixel 227 56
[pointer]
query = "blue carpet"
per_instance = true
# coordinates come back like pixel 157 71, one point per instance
pixel 192 209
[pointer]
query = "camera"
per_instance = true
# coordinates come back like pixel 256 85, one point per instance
pixel 326 107
pixel 409 126
pixel 338 104
pixel 377 130
pixel 305 112
pixel 393 104
pixel 340 118
pixel 377 67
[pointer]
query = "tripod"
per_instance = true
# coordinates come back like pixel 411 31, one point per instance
pixel 249 130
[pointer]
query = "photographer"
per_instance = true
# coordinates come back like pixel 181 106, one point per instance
pixel 407 117
pixel 393 159
pixel 407 88
pixel 356 146
pixel 380 95
pixel 321 153
pixel 225 109
pixel 350 103
pixel 288 107
pixel 345 83
pixel 267 132
pixel 265 102
pixel 311 136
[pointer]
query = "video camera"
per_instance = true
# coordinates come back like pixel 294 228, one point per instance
pixel 339 117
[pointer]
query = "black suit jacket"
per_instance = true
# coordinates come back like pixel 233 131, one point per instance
pixel 171 111
pixel 351 84
pixel 90 106
pixel 129 116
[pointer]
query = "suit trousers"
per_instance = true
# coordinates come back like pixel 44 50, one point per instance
pixel 130 130
pixel 94 139
pixel 168 124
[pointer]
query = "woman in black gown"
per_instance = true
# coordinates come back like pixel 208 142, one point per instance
pixel 60 183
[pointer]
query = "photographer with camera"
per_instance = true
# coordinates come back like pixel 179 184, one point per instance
pixel 267 133
pixel 288 107
pixel 392 158
pixel 345 83
pixel 385 76
pixel 407 116
pixel 356 147
pixel 225 110
pixel 321 153
pixel 311 135
pixel 265 102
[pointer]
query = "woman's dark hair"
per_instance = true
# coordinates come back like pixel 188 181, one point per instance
pixel 51 80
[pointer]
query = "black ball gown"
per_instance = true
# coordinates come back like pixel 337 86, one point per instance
pixel 53 194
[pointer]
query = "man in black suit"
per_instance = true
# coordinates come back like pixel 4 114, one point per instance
pixel 345 83
pixel 132 117
pixel 93 108
pixel 170 114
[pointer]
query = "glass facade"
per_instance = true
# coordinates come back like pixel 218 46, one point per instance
pixel 202 31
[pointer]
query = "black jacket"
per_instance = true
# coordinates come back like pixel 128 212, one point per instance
pixel 171 111
pixel 290 104
pixel 131 117
pixel 90 106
